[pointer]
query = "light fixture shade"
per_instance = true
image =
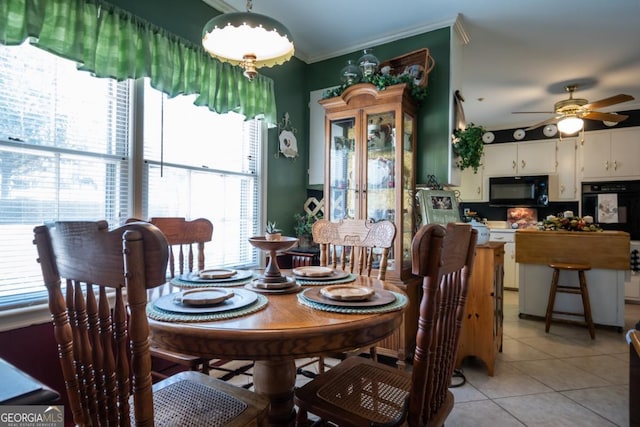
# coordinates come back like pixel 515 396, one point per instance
pixel 570 124
pixel 247 39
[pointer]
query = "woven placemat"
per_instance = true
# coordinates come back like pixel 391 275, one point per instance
pixel 167 316
pixel 400 302
pixel 350 278
pixel 221 284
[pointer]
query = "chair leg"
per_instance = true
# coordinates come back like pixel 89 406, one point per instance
pixel 552 299
pixel 586 304
pixel 373 352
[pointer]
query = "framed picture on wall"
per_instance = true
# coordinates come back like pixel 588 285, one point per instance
pixel 438 206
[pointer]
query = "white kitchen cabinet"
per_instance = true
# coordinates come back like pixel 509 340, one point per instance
pixel 471 185
pixel 520 158
pixel 507 237
pixel 611 154
pixel 567 186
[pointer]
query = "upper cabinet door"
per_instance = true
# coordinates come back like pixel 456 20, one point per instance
pixel 520 158
pixel 611 153
pixel 537 157
pixel 500 159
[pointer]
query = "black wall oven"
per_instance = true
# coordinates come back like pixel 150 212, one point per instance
pixel 615 205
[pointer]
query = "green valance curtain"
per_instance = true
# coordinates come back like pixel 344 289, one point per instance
pixel 110 42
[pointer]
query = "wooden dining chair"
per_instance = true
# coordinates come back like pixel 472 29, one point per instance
pixel 103 337
pixel 356 246
pixel 186 244
pixel 363 392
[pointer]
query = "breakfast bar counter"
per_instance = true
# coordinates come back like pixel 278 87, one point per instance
pixel 608 254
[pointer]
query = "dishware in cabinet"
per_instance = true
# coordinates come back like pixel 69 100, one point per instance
pixel 370 163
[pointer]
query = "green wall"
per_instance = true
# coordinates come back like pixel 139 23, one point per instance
pixel 286 178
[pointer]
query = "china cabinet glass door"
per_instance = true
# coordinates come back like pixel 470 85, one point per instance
pixel 342 170
pixel 408 194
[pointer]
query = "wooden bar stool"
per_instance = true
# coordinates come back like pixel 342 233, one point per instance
pixel 580 290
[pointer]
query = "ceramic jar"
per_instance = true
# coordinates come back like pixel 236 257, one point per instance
pixel 483 232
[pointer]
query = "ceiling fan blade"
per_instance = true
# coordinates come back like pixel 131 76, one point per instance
pixel 532 112
pixel 546 122
pixel 616 99
pixel 605 117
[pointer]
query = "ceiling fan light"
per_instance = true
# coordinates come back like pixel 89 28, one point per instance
pixel 570 125
pixel 249 40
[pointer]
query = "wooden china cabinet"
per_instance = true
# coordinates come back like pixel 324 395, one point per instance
pixel 370 174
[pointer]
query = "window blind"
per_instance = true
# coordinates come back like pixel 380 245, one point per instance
pixel 63 156
pixel 199 164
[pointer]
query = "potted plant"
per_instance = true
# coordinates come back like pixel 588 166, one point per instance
pixel 303 228
pixel 272 232
pixel 468 146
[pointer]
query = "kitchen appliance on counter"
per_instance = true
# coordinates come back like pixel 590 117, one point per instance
pixel 525 191
pixel 615 205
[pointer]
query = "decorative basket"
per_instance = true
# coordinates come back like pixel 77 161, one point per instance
pixel 418 63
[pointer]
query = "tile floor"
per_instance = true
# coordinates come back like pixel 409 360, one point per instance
pixel 562 378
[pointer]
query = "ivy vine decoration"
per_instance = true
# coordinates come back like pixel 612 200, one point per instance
pixel 381 82
pixel 468 146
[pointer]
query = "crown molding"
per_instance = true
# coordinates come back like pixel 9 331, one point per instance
pixel 221 6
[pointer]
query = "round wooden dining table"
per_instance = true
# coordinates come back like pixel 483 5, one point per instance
pixel 274 337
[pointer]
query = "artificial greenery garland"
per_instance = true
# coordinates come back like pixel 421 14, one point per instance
pixel 381 81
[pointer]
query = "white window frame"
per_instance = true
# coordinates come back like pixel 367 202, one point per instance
pixel 38 312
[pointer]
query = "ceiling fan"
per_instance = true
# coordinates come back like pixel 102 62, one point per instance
pixel 570 112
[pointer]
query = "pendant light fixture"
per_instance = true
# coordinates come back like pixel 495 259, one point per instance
pixel 248 39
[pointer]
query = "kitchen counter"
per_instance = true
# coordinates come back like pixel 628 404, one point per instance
pixel 608 254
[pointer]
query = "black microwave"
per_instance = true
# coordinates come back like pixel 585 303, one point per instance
pixel 519 191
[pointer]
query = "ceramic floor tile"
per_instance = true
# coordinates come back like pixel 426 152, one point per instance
pixel 467 393
pixel 523 328
pixel 559 375
pixel 615 371
pixel 551 409
pixel 480 414
pixel 507 381
pixel 513 349
pixel 611 402
pixel 561 346
pixel 622 356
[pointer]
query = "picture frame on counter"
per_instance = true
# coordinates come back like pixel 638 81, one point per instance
pixel 438 206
